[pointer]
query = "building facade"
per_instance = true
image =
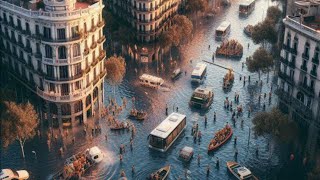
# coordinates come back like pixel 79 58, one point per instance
pixel 56 51
pixel 299 73
pixel 147 17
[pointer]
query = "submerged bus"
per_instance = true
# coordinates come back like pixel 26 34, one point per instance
pixel 223 30
pixel 246 7
pixel 164 135
pixel 199 73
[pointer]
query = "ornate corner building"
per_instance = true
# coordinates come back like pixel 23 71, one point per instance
pixel 55 48
pixel 299 73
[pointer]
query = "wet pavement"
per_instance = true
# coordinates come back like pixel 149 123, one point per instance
pixel 268 162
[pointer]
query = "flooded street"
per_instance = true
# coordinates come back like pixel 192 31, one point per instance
pixel 265 165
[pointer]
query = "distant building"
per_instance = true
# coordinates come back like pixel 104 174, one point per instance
pixel 147 17
pixel 299 74
pixel 55 48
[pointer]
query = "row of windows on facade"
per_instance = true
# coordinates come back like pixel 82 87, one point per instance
pixel 300 96
pixel 306 50
pixel 78 105
pixel 61 32
pixel 146 6
pixel 52 87
pixel 304 61
pixel 62 50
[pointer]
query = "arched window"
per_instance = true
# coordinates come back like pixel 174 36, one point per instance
pixel 88 100
pixel 76 50
pixel 78 106
pixel 62 52
pixel 53 108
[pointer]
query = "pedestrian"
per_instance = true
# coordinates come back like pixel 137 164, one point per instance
pixel 177 109
pixel 248 45
pixel 257 151
pixel 259 98
pixel 121 149
pixel 235 140
pixel 185 73
pixel 199 136
pixel 205 121
pixel 264 106
pixel 217 163
pixel 214 116
pixel 73 140
pixel 133 169
pixel 166 111
pixel 121 158
pixel 61 151
pixel 208 170
pixel 106 137
pixel 131 145
pixel 249 79
pixel 209 46
pixel 242 65
pixel 265 95
pixel 199 157
pixel 236 153
pixel 195 137
pixel 240 77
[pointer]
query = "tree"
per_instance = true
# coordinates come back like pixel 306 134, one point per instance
pixel 18 122
pixel 261 61
pixel 180 30
pixel 194 6
pixel 264 32
pixel 274 13
pixel 116 69
pixel 277 124
pixel 185 25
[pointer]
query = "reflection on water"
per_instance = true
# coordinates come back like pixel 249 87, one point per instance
pixel 154 102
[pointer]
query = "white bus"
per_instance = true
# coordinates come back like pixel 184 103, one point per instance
pixel 223 30
pixel 246 7
pixel 150 81
pixel 164 135
pixel 199 73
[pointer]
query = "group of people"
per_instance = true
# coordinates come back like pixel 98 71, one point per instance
pixel 220 136
pixel 77 166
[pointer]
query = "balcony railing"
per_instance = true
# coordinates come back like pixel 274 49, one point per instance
pixel 284 60
pixel 304 68
pixel 38 55
pixel 307 89
pixel 101 39
pixel 101 23
pixel 294 51
pixel 305 56
pixel 313 73
pixel 86 51
pixel 94 45
pixel 61 40
pixel 315 60
pixel 286 77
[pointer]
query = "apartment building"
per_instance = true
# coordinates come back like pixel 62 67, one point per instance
pixel 55 49
pixel 299 74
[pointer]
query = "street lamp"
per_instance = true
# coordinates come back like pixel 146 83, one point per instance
pixel 35 154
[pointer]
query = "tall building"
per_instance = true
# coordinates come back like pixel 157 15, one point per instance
pixel 55 48
pixel 148 17
pixel 299 74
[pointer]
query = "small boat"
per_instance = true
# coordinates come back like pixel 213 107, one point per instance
pixel 240 172
pixel 161 174
pixel 76 165
pixel 228 79
pixel 9 174
pixel 186 153
pixel 201 98
pixel 141 115
pixel 120 126
pixel 215 143
pixel 176 73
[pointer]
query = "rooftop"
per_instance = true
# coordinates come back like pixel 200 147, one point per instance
pixel 168 125
pixel 200 67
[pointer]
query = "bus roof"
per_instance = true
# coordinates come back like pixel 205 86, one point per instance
pixel 168 125
pixel 201 90
pixel 223 26
pixel 198 70
pixel 151 78
pixel 246 3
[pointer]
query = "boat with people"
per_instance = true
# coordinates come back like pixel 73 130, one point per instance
pixel 246 7
pixel 228 79
pixel 223 30
pixel 199 73
pixel 240 172
pixel 176 73
pixel 151 81
pixel 201 98
pixel 117 125
pixel 161 174
pixel 230 48
pixel 139 115
pixel 220 138
pixel 9 174
pixel 77 165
